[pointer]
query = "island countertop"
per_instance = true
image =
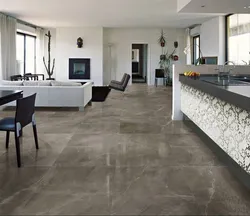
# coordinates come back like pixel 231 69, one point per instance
pixel 236 95
pixel 222 114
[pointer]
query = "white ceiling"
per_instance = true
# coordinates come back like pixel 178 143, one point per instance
pixel 101 13
pixel 216 6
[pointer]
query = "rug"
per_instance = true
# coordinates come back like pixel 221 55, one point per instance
pixel 100 93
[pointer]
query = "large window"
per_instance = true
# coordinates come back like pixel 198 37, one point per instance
pixel 238 38
pixel 196 49
pixel 26 53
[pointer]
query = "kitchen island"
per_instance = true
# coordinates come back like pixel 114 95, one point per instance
pixel 222 114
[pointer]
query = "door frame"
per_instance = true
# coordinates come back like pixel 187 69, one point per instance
pixel 148 80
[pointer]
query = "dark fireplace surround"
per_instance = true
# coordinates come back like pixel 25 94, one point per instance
pixel 79 68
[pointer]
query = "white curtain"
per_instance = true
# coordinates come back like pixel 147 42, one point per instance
pixel 40 40
pixel 188 47
pixel 8 61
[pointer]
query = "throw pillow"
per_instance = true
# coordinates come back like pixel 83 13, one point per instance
pixel 37 83
pixel 57 83
pixel 11 83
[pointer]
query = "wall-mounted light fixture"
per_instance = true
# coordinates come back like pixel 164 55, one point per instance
pixel 79 42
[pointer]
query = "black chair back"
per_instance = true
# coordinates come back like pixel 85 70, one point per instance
pixel 126 80
pixel 25 110
pixel 123 78
pixel 159 73
pixel 16 77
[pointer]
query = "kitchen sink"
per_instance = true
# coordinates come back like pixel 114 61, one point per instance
pixel 231 82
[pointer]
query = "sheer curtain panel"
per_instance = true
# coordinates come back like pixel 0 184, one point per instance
pixel 8 61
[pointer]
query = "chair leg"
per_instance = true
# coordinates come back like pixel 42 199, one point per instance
pixel 35 136
pixel 7 139
pixel 21 132
pixel 18 156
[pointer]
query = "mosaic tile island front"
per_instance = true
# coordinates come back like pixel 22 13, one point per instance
pixel 226 124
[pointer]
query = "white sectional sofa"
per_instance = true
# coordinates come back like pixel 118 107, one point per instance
pixel 53 93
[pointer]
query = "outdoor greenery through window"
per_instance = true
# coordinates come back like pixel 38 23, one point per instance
pixel 238 38
pixel 26 53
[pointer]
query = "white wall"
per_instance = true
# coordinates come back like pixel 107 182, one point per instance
pixel 26 29
pixel 122 40
pixel 195 31
pixel 182 3
pixel 212 36
pixel 92 48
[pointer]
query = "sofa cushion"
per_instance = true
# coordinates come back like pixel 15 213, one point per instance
pixel 11 83
pixel 57 83
pixel 37 83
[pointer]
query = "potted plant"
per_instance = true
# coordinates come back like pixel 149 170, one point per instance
pixel 48 68
pixel 166 58
pixel 165 64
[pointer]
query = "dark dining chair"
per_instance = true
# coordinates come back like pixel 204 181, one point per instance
pixel 25 114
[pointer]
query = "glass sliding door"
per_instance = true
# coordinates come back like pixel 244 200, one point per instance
pixel 26 53
pixel 30 54
pixel 20 53
pixel 238 38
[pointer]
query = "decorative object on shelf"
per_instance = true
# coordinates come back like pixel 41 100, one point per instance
pixel 162 39
pixel 175 57
pixel 176 44
pixel 48 68
pixel 79 42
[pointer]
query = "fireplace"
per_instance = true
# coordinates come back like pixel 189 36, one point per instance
pixel 79 68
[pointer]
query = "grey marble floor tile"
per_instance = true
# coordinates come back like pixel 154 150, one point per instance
pixel 82 156
pixel 88 140
pixel 185 140
pixel 50 147
pixel 14 181
pixel 48 202
pixel 177 127
pixel 196 190
pixel 98 128
pixel 121 157
pixel 142 128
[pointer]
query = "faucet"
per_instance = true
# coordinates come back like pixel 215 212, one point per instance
pixel 227 62
pixel 244 62
pixel 224 73
pixel 231 69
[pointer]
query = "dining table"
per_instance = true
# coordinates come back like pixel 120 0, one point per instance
pixel 7 96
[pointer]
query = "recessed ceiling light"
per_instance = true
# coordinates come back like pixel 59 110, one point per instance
pixel 247 7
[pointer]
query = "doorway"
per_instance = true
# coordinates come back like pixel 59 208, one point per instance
pixel 139 63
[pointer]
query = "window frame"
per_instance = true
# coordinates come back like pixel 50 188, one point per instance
pixel 194 47
pixel 226 36
pixel 24 63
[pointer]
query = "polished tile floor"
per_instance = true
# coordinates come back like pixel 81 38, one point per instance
pixel 121 157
